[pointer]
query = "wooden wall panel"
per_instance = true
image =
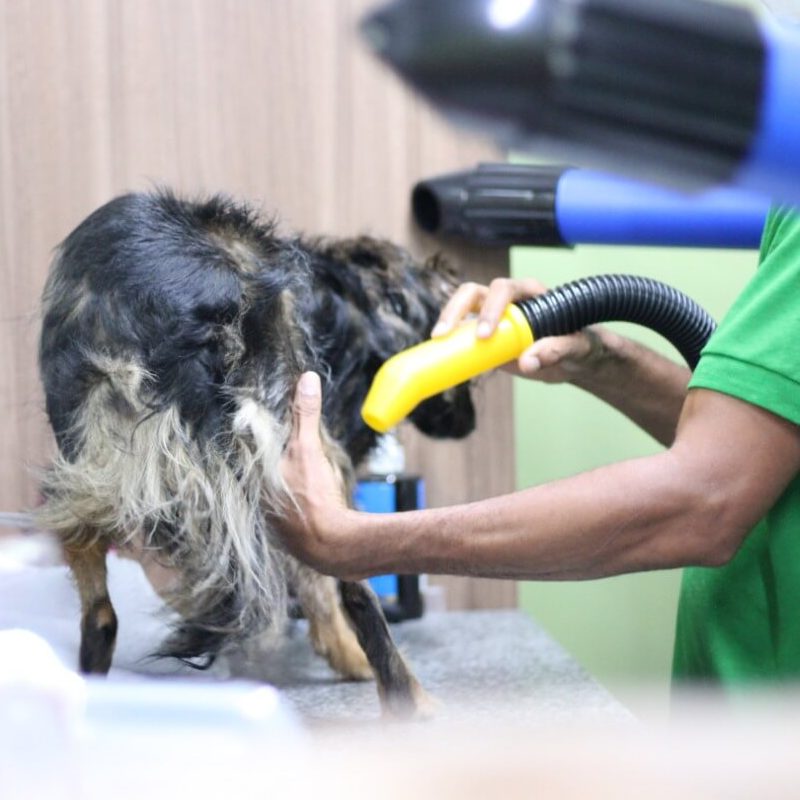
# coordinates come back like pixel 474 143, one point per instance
pixel 272 100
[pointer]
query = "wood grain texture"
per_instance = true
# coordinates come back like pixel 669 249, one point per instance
pixel 275 101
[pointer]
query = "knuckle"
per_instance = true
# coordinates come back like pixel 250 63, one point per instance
pixel 499 285
pixel 467 291
pixel 534 286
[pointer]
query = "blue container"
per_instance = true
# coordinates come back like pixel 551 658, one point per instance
pixel 385 494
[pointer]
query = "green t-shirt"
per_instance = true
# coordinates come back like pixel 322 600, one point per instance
pixel 740 624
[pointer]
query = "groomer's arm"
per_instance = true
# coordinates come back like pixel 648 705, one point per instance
pixel 691 504
pixel 648 388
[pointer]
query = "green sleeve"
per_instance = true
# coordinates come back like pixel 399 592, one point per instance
pixel 755 353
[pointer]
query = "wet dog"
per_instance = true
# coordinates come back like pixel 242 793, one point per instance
pixel 173 335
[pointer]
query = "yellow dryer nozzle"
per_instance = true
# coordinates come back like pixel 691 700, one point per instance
pixel 420 372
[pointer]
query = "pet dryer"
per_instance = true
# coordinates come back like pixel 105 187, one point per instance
pixel 685 92
pixel 555 206
pixel 436 365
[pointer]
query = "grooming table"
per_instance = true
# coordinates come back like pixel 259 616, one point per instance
pixel 518 717
pixel 492 665
pixel 477 664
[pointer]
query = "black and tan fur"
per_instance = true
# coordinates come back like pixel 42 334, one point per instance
pixel 173 336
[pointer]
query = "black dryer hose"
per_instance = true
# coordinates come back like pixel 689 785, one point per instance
pixel 622 298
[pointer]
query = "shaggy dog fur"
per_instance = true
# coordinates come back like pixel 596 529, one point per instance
pixel 173 336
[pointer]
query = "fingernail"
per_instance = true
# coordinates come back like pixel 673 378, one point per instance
pixel 438 329
pixel 309 384
pixel 530 363
pixel 484 329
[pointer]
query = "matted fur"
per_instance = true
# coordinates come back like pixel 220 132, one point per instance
pixel 173 336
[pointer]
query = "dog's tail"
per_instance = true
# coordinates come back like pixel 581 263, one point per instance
pixel 138 477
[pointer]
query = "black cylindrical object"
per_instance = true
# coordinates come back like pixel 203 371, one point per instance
pixel 500 204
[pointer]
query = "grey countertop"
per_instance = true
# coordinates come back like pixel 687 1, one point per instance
pixel 478 665
pixel 492 665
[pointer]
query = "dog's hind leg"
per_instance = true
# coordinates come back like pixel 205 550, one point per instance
pixel 400 693
pixel 98 619
pixel 330 633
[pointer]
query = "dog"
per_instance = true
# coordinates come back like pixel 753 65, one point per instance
pixel 173 334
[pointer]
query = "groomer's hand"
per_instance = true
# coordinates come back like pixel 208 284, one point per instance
pixel 317 518
pixel 554 359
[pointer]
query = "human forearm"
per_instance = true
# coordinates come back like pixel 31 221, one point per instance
pixel 691 504
pixel 648 388
pixel 636 515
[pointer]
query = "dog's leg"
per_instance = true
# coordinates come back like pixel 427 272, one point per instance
pixel 98 620
pixel 400 693
pixel 331 635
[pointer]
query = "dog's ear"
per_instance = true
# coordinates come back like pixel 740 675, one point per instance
pixel 449 415
pixel 439 265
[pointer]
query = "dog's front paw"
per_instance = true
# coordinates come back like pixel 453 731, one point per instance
pixel 338 644
pixel 349 661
